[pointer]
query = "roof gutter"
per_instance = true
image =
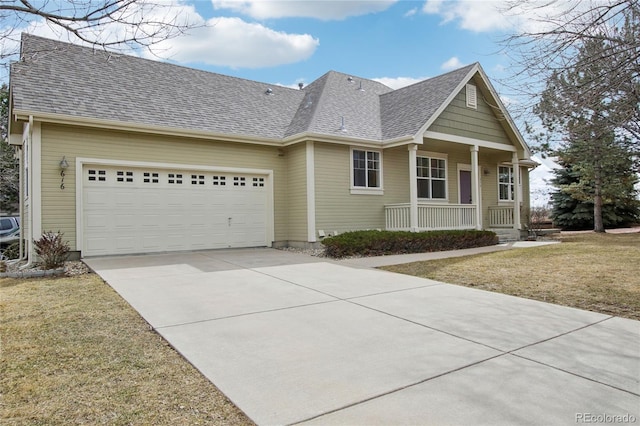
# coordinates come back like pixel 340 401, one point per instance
pixel 24 115
pixel 142 128
pixel 347 140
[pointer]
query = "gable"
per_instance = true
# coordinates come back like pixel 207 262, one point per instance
pixel 485 122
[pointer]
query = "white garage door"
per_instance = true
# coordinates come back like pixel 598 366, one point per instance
pixel 132 210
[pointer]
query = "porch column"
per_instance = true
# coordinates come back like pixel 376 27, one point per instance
pixel 475 185
pixel 413 187
pixel 516 191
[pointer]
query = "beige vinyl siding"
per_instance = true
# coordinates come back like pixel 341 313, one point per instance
pixel 58 206
pixel 336 208
pixel 297 192
pixel 396 175
pixel 460 120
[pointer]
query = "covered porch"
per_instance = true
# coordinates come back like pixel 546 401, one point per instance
pixel 479 196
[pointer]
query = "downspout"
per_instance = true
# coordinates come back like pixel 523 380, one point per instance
pixel 30 155
pixel 22 252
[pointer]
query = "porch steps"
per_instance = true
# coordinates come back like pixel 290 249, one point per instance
pixel 506 235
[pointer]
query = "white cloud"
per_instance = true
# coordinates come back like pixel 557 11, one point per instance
pixel 539 180
pixel 495 15
pixel 235 43
pixel 452 64
pixel 411 12
pixel 228 42
pixel 398 82
pixel 432 6
pixel 318 9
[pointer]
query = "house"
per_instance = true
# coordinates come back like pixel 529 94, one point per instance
pixel 128 155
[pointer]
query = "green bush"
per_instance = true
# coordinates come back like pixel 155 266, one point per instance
pixel 377 243
pixel 52 249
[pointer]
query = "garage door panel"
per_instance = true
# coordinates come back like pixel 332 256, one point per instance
pixel 124 244
pixel 130 210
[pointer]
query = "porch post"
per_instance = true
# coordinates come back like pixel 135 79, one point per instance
pixel 475 185
pixel 516 192
pixel 413 188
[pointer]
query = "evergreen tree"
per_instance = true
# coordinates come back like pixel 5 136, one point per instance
pixel 600 153
pixel 9 171
pixel 570 212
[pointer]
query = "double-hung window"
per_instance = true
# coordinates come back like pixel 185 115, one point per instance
pixel 506 185
pixel 432 178
pixel 367 170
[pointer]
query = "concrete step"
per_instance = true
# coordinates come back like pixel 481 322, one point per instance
pixel 506 235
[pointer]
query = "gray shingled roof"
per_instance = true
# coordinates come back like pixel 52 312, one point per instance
pixel 61 78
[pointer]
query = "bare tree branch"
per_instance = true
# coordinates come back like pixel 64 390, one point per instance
pixel 118 25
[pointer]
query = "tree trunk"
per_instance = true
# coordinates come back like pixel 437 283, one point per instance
pixel 598 224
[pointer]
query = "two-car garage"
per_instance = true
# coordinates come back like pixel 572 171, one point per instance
pixel 135 209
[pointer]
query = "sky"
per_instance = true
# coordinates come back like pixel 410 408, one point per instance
pixel 396 42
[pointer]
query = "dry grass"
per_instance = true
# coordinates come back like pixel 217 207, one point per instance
pixel 596 272
pixel 73 352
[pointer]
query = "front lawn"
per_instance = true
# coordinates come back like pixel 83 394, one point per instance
pixel 74 352
pixel 596 272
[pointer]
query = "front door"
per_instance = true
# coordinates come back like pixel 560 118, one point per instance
pixel 465 187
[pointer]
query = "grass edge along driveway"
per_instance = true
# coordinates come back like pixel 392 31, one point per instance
pixel 72 351
pixel 595 272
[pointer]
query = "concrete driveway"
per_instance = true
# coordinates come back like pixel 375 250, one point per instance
pixel 293 339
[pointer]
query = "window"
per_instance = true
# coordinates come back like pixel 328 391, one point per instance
pixel 432 178
pixel 124 176
pixel 366 169
pixel 472 97
pixel 98 175
pixel 505 183
pixel 149 177
pixel 174 178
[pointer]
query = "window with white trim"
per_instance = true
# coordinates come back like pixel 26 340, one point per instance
pixel 432 178
pixel 506 185
pixel 367 170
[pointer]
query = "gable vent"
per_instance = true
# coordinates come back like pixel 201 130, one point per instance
pixel 472 97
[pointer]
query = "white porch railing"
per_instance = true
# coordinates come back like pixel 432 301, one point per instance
pixel 431 216
pixel 500 217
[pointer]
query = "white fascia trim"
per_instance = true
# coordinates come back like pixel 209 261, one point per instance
pixel 82 161
pixel 469 141
pixel 145 128
pixel 311 192
pixel 351 141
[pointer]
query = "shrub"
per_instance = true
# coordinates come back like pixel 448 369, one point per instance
pixel 12 251
pixel 52 249
pixel 377 243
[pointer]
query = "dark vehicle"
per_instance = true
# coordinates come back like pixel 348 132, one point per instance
pixel 9 230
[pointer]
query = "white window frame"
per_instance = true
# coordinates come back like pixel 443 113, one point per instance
pixel 511 184
pixel 435 156
pixel 366 190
